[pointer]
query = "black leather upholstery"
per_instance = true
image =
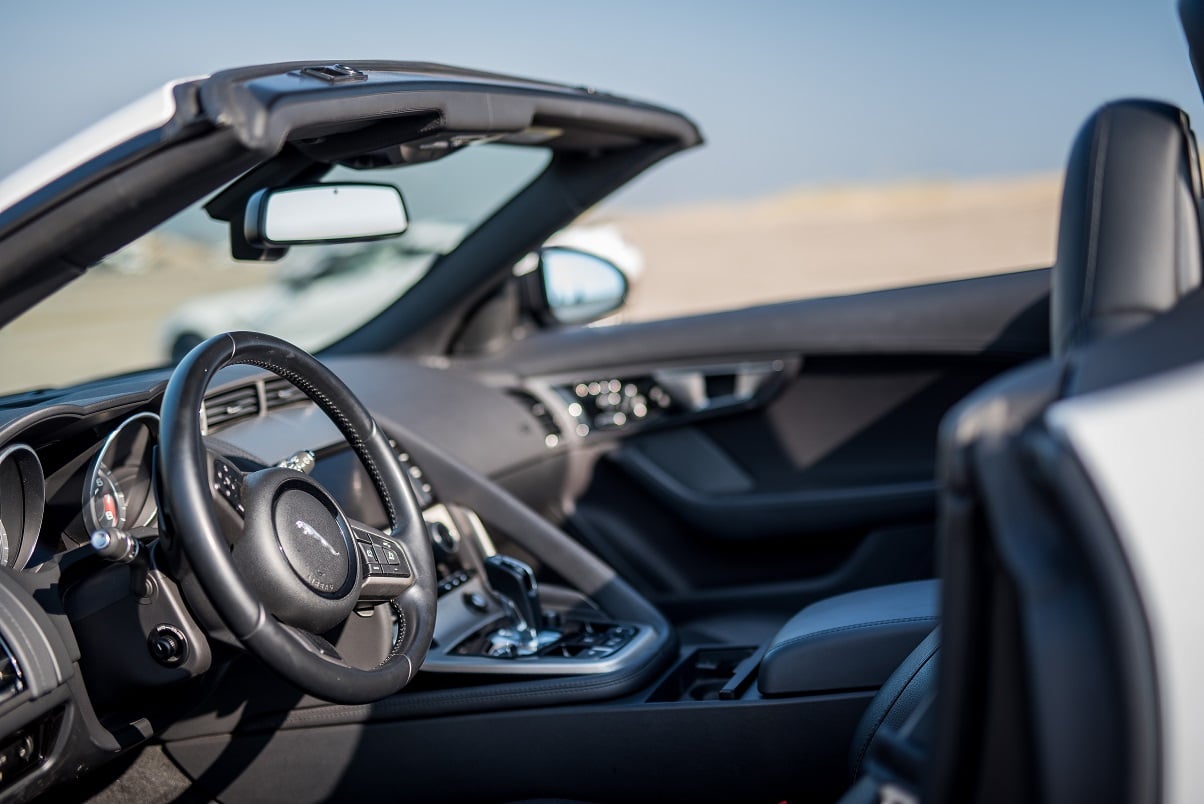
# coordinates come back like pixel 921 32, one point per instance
pixel 1128 252
pixel 1129 238
pixel 851 641
pixel 1129 248
pixel 899 697
pixel 1191 15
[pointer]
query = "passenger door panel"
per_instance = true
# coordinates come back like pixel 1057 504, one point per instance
pixel 811 473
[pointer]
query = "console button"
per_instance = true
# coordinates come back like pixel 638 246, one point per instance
pixel 476 601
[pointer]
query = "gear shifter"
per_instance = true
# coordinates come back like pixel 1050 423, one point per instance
pixel 514 583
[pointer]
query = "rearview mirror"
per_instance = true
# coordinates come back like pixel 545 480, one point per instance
pixel 580 287
pixel 324 213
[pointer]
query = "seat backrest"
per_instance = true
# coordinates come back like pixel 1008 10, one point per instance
pixel 1031 703
pixel 1129 248
pixel 1129 236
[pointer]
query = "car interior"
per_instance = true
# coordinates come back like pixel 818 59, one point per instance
pixel 847 548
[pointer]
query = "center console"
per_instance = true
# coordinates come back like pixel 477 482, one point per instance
pixel 494 618
pixel 578 670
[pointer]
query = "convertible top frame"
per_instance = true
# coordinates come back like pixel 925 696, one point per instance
pixel 222 126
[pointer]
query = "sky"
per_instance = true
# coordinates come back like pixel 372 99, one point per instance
pixel 788 93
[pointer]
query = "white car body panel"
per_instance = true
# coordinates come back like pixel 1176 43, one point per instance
pixel 302 313
pixel 1143 447
pixel 150 112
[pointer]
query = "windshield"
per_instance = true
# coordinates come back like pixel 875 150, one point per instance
pixel 152 301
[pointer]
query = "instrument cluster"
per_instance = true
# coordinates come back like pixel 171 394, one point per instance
pixel 115 491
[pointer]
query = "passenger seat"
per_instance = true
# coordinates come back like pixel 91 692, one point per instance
pixel 1129 249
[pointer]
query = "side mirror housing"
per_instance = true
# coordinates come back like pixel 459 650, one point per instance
pixel 576 287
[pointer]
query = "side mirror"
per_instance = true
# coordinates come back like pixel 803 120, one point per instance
pixel 579 287
pixel 324 213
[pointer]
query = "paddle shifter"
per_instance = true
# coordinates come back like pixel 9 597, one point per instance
pixel 514 583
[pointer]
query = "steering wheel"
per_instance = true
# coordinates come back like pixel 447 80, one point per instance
pixel 299 566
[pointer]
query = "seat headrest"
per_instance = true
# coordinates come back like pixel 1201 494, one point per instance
pixel 1129 237
pixel 1191 16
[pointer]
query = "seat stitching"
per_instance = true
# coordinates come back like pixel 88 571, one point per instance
pixel 1100 157
pixel 837 629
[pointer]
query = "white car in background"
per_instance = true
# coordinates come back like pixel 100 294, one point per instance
pixel 299 299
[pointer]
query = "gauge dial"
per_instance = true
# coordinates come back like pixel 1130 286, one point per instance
pixel 117 490
pixel 107 504
pixel 22 504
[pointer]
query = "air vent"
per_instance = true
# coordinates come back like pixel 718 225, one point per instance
pixel 11 681
pixel 278 392
pixel 547 422
pixel 225 407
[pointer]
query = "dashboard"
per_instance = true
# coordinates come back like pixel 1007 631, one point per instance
pixel 85 461
pixel 111 669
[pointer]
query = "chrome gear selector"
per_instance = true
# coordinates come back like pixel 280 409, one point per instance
pixel 514 584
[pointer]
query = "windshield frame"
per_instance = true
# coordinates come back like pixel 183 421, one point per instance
pixel 243 121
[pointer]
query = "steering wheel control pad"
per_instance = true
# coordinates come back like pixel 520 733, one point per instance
pixel 297 550
pixel 388 570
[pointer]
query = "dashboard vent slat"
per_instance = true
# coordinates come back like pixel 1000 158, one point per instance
pixel 234 404
pixel 11 680
pixel 278 392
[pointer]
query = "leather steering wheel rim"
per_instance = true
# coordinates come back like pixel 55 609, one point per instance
pixel 188 512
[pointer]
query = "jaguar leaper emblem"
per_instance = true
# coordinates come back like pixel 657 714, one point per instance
pixel 310 531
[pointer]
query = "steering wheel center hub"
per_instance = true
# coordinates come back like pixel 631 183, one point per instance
pixel 312 540
pixel 297 550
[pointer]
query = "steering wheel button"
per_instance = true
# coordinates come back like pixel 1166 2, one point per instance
pixel 369 553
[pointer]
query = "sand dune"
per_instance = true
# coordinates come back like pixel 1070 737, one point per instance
pixel 837 240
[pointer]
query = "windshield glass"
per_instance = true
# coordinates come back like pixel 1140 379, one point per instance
pixel 152 301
